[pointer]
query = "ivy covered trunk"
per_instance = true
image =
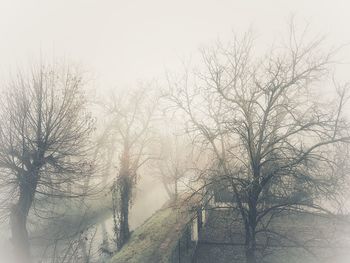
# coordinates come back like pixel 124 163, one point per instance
pixel 122 194
pixel 125 196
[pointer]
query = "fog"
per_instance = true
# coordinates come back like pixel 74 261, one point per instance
pixel 138 107
pixel 121 43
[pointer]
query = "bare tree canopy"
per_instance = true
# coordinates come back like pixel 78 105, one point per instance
pixel 44 141
pixel 275 144
pixel 175 163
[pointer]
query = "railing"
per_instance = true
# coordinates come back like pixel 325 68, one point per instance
pixel 185 248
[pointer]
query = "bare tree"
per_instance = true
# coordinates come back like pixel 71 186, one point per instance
pixel 75 248
pixel 44 136
pixel 271 136
pixel 174 164
pixel 131 115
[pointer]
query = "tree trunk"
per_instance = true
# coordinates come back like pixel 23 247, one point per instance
pixel 250 238
pixel 84 250
pixel 175 190
pixel 250 256
pixel 125 194
pixel 167 189
pixel 18 222
pixel 250 247
pixel 104 234
pixel 124 184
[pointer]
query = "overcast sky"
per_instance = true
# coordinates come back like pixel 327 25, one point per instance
pixel 124 41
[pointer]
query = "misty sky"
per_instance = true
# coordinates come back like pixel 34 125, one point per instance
pixel 121 42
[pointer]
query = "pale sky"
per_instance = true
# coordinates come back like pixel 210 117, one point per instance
pixel 124 41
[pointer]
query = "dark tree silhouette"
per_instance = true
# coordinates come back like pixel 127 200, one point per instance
pixel 131 115
pixel 270 137
pixel 44 134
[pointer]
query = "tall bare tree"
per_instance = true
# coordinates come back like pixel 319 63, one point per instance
pixel 271 136
pixel 131 114
pixel 175 162
pixel 44 137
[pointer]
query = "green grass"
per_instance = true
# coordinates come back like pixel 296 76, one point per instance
pixel 155 239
